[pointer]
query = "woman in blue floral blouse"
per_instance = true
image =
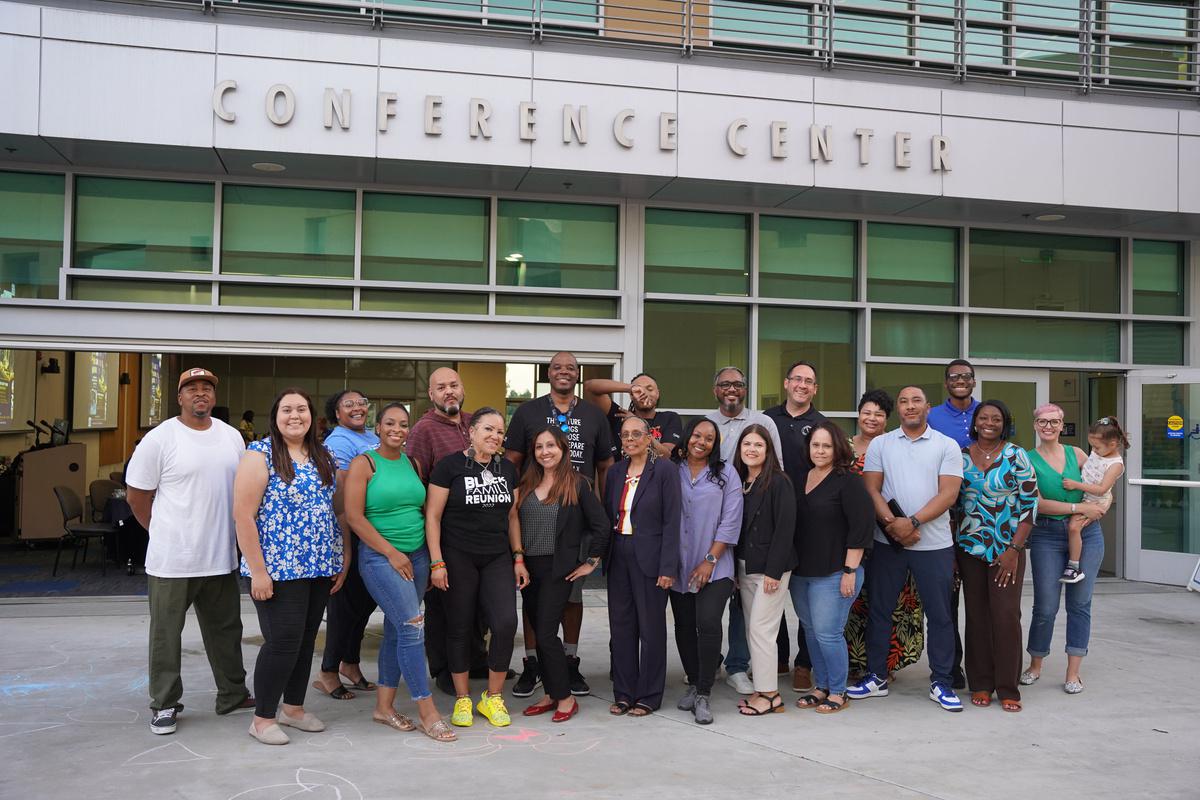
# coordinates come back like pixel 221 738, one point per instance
pixel 294 553
pixel 996 504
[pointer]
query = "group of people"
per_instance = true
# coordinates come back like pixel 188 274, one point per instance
pixel 439 523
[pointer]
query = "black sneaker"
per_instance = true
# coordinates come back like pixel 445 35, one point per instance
pixel 163 721
pixel 579 686
pixel 531 676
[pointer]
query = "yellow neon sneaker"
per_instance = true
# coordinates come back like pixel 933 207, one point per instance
pixel 492 707
pixel 462 716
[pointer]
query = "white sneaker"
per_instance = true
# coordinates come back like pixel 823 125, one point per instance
pixel 740 683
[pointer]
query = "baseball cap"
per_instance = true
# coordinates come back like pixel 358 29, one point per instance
pixel 196 374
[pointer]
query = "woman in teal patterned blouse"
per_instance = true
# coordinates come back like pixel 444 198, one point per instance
pixel 996 505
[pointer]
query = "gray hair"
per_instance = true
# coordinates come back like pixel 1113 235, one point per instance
pixel 730 368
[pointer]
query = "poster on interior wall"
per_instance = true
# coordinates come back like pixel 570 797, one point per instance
pixel 152 406
pixel 95 385
pixel 17 368
pixel 8 375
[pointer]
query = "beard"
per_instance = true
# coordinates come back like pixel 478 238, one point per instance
pixel 451 408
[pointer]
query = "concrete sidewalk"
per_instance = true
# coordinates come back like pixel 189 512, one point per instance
pixel 73 724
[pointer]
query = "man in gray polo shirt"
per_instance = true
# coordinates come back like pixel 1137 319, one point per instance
pixel 921 470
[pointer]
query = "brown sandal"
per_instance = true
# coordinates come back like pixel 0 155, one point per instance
pixel 640 710
pixel 827 706
pixel 1011 705
pixel 397 722
pixel 439 732
pixel 981 699
pixel 812 699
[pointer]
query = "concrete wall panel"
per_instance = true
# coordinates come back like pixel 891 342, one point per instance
pixel 845 171
pixel 166 34
pixel 19 98
pixel 1120 169
pixel 1004 160
pixel 704 152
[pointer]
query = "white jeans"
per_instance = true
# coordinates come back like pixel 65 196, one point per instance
pixel 763 613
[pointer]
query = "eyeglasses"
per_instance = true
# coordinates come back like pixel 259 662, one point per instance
pixel 803 381
pixel 632 436
pixel 363 403
pixel 961 377
pixel 1048 423
pixel 731 385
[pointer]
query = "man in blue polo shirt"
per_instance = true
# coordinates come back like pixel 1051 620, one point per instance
pixel 953 418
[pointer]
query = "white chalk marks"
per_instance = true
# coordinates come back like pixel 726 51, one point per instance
pixel 485 744
pixel 170 753
pixel 312 783
pixel 113 715
pixel 336 740
pixel 8 729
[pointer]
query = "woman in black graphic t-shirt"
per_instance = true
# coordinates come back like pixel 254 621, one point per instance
pixel 471 552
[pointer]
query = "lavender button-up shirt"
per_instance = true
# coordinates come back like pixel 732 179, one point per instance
pixel 709 513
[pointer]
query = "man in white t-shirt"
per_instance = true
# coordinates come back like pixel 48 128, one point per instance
pixel 180 487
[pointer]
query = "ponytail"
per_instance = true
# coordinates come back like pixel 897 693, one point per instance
pixel 1109 428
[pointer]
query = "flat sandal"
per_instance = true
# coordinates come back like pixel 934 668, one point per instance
pixel 395 721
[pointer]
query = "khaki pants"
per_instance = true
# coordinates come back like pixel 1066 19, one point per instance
pixel 764 612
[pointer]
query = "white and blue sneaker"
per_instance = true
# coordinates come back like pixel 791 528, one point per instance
pixel 870 686
pixel 944 696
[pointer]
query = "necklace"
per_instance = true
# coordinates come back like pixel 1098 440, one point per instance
pixel 987 456
pixel 748 486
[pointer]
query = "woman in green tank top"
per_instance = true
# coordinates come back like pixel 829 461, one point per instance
pixel 1054 462
pixel 385 500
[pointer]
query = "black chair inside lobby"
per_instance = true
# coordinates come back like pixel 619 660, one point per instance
pixel 82 530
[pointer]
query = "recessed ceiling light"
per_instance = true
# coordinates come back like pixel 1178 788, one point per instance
pixel 1050 217
pixel 513 257
pixel 268 166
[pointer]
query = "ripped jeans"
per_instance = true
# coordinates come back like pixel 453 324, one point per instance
pixel 402 653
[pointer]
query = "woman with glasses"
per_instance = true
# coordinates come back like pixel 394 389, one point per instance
pixel 1048 547
pixel 641 496
pixel 348 611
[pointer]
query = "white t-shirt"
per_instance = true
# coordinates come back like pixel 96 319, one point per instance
pixel 191 523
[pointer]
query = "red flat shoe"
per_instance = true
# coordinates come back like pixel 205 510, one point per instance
pixel 537 710
pixel 559 716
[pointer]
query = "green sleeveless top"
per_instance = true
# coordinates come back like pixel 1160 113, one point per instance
pixel 395 495
pixel 1049 480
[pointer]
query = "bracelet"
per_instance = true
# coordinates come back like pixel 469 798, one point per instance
pixel 518 558
pixel 437 565
pixel 1072 508
pixel 518 555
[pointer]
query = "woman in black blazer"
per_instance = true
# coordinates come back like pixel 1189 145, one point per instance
pixel 554 509
pixel 765 558
pixel 641 497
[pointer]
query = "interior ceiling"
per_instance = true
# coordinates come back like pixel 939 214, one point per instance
pixel 27 151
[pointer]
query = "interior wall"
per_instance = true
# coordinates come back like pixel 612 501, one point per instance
pixel 483 383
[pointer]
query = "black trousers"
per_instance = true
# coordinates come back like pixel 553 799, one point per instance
pixel 346 619
pixel 289 623
pixel 545 598
pixel 698 631
pixel 784 644
pixel 437 630
pixel 486 581
pixel 637 621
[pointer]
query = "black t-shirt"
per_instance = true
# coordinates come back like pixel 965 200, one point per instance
pixel 476 515
pixel 586 431
pixel 793 436
pixel 665 426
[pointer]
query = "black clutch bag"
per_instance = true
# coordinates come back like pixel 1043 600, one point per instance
pixel 894 507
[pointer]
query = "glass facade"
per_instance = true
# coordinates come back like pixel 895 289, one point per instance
pixel 826 338
pixel 912 264
pixel 907 335
pixel 31 234
pixel 806 258
pixel 1045 339
pixel 686 343
pixel 287 233
pixel 424 239
pixel 1044 272
pixel 556 244
pixel 1158 278
pixel 696 252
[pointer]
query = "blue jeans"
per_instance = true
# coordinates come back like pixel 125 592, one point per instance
pixel 823 613
pixel 403 650
pixel 738 658
pixel 1048 556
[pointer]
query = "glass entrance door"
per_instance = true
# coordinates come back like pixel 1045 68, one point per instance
pixel 1163 465
pixel 1022 390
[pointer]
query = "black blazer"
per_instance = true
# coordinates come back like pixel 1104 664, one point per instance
pixel 769 529
pixel 655 514
pixel 586 518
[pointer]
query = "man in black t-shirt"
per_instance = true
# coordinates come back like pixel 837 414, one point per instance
pixel 665 426
pixel 591 447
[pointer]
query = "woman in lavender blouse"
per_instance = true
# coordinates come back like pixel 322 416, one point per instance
pixel 710 525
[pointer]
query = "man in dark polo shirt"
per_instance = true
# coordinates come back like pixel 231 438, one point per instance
pixel 795 418
pixel 590 442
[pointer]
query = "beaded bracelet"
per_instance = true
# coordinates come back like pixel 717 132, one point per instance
pixel 437 565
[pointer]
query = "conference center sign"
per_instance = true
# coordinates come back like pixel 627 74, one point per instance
pixel 577 127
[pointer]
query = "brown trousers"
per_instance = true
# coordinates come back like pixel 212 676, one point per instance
pixel 993 635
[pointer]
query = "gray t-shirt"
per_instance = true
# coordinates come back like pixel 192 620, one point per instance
pixel 731 429
pixel 911 468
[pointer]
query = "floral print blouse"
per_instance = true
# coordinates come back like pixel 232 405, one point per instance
pixel 994 502
pixel 297 528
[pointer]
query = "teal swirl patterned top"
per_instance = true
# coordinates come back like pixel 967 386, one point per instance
pixel 993 503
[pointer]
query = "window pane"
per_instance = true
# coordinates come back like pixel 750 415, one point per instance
pixel 1169 514
pixel 556 244
pixel 912 264
pixel 1045 339
pixel 808 258
pixel 914 335
pixel 267 296
pixel 871 35
pixel 126 291
pixel 1158 343
pixel 826 338
pixel 985 46
pixel 31 234
pixel 153 226
pixel 424 302
pixel 1061 13
pixel 935 42
pixel 894 377
pixel 428 239
pixel 287 232
pixel 686 343
pixel 697 252
pixel 1158 278
pixel 1148 19
pixel 1047 52
pixel 541 305
pixel 1044 272
pixel 1153 60
pixel 766 23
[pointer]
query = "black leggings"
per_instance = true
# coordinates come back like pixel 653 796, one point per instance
pixel 486 581
pixel 289 623
pixel 698 631
pixel 545 598
pixel 348 613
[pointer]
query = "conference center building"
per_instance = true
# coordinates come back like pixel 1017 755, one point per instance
pixel 333 193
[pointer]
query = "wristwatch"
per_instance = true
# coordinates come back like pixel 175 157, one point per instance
pixel 849 570
pixel 592 562
pixel 710 558
pixel 916 523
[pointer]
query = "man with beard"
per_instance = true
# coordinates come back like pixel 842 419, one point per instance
pixel 665 426
pixel 442 431
pixel 180 487
pixel 731 418
pixel 591 452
